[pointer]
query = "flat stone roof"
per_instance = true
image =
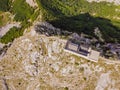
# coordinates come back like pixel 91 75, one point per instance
pixel 94 55
pixel 72 46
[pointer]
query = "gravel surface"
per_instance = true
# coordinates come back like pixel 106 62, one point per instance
pixel 116 2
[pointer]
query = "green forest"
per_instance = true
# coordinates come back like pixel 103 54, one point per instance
pixel 82 16
pixel 4 5
pixel 72 15
pixel 23 12
pixel 11 35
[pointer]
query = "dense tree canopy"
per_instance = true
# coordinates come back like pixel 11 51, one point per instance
pixel 71 15
pixel 4 5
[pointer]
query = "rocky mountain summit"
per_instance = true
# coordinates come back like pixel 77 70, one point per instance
pixel 36 59
pixel 38 62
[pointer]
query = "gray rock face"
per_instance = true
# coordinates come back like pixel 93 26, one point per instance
pixel 49 30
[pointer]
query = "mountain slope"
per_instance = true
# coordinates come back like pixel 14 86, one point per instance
pixel 82 16
pixel 24 14
pixel 73 15
pixel 36 62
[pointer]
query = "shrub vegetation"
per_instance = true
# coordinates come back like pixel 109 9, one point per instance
pixel 82 16
pixel 73 15
pixel 4 5
pixel 23 13
pixel 11 35
pixel 22 10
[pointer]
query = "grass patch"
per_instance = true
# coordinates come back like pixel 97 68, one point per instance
pixel 10 35
pixel 24 14
pixel 35 15
pixel 4 18
pixel 14 33
pixel 22 10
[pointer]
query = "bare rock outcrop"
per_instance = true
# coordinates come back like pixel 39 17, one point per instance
pixel 35 62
